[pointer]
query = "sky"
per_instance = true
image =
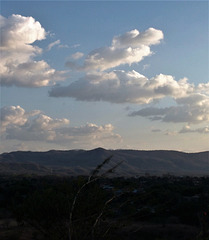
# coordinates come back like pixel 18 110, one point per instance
pixel 111 74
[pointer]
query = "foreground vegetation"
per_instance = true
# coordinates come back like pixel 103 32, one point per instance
pixel 144 208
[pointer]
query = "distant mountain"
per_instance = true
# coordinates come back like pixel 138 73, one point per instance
pixel 81 162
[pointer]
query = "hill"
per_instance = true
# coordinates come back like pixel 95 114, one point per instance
pixel 81 162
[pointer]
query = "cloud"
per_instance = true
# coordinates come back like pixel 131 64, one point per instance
pixel 57 42
pixel 146 66
pixel 110 57
pixel 117 86
pixel 203 88
pixel 12 115
pixel 75 45
pixel 90 135
pixel 123 87
pixel 188 129
pixel 77 55
pixel 31 74
pixel 156 130
pixel 18 31
pixel 128 48
pixel 51 45
pixel 192 109
pixel 17 66
pixel 63 46
pixel 18 124
pixel 135 39
pixel 170 133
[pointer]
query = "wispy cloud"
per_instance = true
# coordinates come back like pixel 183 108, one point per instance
pixel 63 46
pixel 51 45
pixel 75 45
pixel 146 66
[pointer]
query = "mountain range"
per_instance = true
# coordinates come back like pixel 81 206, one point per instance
pixel 82 162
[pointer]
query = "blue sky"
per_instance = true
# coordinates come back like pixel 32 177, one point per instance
pixel 72 81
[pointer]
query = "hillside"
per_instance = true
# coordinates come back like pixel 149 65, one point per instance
pixel 81 162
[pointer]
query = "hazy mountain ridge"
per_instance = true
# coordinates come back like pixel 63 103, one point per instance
pixel 81 162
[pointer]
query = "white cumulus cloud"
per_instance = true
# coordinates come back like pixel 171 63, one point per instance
pixel 102 82
pixel 203 88
pixel 123 87
pixel 18 124
pixel 17 65
pixel 110 57
pixel 135 39
pixel 128 48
